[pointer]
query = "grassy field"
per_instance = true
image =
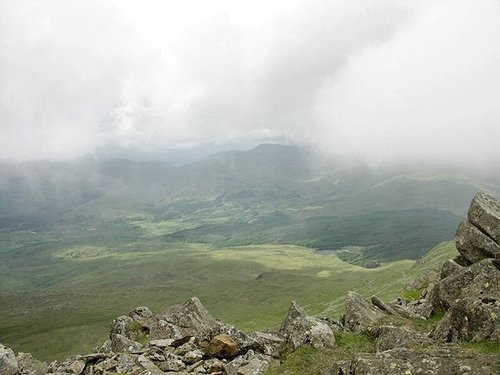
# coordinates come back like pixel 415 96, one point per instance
pixel 58 293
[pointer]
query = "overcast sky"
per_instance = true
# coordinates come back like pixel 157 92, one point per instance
pixel 383 80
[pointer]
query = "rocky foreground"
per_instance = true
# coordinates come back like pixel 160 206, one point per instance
pixel 186 339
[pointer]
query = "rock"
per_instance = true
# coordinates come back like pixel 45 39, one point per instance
pixel 8 361
pixel 470 320
pixel 340 368
pixel 479 280
pixel 149 365
pixel 77 366
pixel 214 365
pixel 118 325
pixel 141 314
pixel 461 260
pixel 120 343
pixel 270 344
pixel 450 268
pixel 249 364
pixel 193 356
pixel 390 337
pixel 190 319
pixel 474 244
pixel 484 213
pixel 29 365
pixel 360 314
pixel 435 361
pixel 222 346
pixel 162 343
pixel 300 329
pixel 383 306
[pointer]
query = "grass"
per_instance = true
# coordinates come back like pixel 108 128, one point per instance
pixel 308 360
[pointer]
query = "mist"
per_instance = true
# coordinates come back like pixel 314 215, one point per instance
pixel 387 81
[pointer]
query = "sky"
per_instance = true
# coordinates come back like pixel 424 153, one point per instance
pixel 378 80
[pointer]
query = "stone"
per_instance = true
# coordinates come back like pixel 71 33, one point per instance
pixel 450 268
pixel 8 361
pixel 141 314
pixel 360 315
pixel 481 279
pixel 435 361
pixel 190 319
pixel 148 365
pixel 383 306
pixel 270 344
pixel 484 213
pixel 120 343
pixel 29 365
pixel 77 366
pixel 193 356
pixel 390 337
pixel 222 346
pixel 300 329
pixel 249 364
pixel 474 244
pixel 470 320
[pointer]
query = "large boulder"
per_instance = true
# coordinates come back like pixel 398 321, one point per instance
pixel 8 361
pixel 29 365
pixel 300 329
pixel 470 319
pixel 474 244
pixel 436 361
pixel 391 337
pixel 481 279
pixel 484 213
pixel 360 314
pixel 182 321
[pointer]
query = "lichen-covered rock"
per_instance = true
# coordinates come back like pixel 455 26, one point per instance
pixel 474 244
pixel 249 364
pixel 435 361
pixel 383 306
pixel 300 329
pixel 481 279
pixel 450 268
pixel 360 314
pixel 484 213
pixel 390 337
pixel 29 365
pixel 270 344
pixel 120 343
pixel 8 361
pixel 470 320
pixel 190 319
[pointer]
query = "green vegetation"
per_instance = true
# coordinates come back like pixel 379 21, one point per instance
pixel 307 360
pixel 483 347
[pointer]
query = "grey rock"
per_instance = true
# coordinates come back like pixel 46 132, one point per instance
pixel 435 361
pixel 300 329
pixel 340 368
pixel 29 365
pixel 383 306
pixel 8 361
pixel 270 344
pixel 120 343
pixel 193 356
pixel 390 337
pixel 470 320
pixel 190 319
pixel 484 213
pixel 360 314
pixel 249 364
pixel 479 280
pixel 450 268
pixel 149 365
pixel 474 244
pixel 118 325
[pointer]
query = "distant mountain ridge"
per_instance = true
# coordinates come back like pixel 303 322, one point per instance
pixel 234 198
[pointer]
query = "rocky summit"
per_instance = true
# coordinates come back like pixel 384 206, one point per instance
pixel 462 297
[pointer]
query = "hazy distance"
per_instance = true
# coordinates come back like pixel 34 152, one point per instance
pixel 381 81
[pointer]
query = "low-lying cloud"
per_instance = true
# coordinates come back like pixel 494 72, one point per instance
pixel 380 80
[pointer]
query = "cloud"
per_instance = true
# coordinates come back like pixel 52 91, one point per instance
pixel 380 80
